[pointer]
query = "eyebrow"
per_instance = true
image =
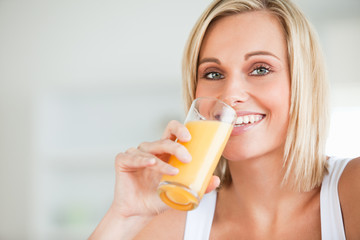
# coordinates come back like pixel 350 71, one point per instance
pixel 256 53
pixel 247 56
pixel 215 60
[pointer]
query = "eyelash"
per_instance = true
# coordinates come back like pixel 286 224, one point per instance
pixel 205 75
pixel 261 67
pixel 257 67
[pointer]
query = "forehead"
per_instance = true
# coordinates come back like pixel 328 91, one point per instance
pixel 244 32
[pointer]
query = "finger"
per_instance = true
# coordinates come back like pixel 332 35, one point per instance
pixel 164 168
pixel 166 146
pixel 214 183
pixel 136 160
pixel 176 130
pixel 132 160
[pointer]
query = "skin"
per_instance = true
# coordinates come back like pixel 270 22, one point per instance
pixel 349 195
pixel 243 61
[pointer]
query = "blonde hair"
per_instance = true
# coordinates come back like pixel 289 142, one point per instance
pixel 304 153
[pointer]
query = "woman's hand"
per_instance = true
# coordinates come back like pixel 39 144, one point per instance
pixel 138 173
pixel 139 170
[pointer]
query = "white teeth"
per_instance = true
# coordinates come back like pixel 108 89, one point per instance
pixel 248 119
pixel 239 120
pixel 252 118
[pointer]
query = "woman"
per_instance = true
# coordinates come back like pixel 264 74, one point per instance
pixel 262 58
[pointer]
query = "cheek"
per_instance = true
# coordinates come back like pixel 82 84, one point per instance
pixel 280 101
pixel 204 90
pixel 279 97
pixel 198 91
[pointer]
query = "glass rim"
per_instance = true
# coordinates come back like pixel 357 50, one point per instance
pixel 216 99
pixel 228 108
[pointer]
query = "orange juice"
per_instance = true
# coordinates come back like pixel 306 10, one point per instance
pixel 184 190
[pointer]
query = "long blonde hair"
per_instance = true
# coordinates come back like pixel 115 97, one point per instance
pixel 304 153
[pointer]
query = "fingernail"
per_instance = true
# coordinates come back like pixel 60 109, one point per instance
pixel 186 136
pixel 173 170
pixel 152 161
pixel 186 157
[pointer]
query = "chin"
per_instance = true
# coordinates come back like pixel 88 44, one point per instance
pixel 251 153
pixel 238 155
pixel 238 151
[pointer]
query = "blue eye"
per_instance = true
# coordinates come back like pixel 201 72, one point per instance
pixel 258 71
pixel 213 76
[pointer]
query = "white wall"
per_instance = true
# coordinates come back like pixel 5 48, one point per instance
pixel 82 80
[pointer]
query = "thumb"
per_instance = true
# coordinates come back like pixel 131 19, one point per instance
pixel 214 183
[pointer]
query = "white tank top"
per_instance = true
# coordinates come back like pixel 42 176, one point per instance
pixel 199 221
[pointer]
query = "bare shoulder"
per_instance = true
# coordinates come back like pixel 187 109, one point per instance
pixel 167 225
pixel 349 195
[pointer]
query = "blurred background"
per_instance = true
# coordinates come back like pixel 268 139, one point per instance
pixel 82 80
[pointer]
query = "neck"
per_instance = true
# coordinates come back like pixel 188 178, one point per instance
pixel 258 180
pixel 258 202
pixel 256 189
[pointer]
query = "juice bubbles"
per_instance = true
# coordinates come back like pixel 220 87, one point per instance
pixel 208 139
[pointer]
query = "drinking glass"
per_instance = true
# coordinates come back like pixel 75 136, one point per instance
pixel 210 122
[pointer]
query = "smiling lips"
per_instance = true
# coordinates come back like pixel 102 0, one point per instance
pixel 248 119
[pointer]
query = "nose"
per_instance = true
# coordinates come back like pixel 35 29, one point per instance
pixel 235 91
